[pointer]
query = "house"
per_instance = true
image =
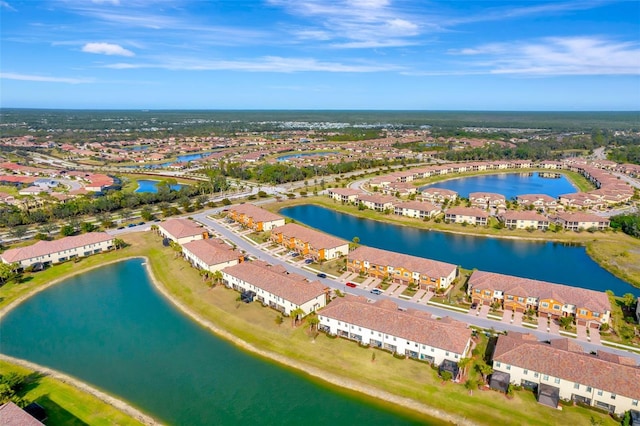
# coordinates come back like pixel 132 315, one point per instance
pixel 344 195
pixel 181 231
pixel 416 209
pixel 12 415
pixel 538 201
pixel 470 215
pixel 309 242
pixel 581 221
pixel 210 254
pixel 413 333
pixel 254 217
pixel 524 220
pixel 377 202
pixel 485 200
pixel 559 370
pixel 439 195
pixel 519 294
pixel 402 268
pixel 276 287
pixel 56 251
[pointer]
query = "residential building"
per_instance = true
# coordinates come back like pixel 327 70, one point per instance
pixel 470 215
pixel 413 333
pixel 485 200
pixel 210 254
pixel 560 370
pixel 12 415
pixel 581 221
pixel 181 230
pixel 275 287
pixel 519 294
pixel 56 251
pixel 439 195
pixel 344 195
pixel 538 201
pixel 309 242
pixel 417 209
pixel 254 217
pixel 377 202
pixel 402 268
pixel 524 220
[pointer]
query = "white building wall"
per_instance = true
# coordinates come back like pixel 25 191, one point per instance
pixel 335 252
pixel 268 226
pixel 65 255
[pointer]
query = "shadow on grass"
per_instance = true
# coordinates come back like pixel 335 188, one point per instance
pixel 56 415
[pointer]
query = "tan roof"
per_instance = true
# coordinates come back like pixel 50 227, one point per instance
pixel 256 213
pixel 384 317
pixel 379 199
pixel 418 205
pixel 12 415
pixel 429 267
pixel 291 287
pixel 532 197
pixel 212 251
pixel 181 228
pixel 467 211
pixel 581 217
pixel 595 301
pixel 316 239
pixel 345 191
pixel 42 248
pixel 523 215
pixel 595 371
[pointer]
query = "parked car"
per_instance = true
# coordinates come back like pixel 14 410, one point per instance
pixel 352 285
pixel 141 223
pixel 322 275
pixel 376 291
pixel 131 225
pixel 474 305
pixel 308 261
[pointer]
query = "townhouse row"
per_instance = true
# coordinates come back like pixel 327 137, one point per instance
pixel 589 307
pixel 46 253
pixel 561 370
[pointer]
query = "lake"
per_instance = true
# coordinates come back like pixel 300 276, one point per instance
pixel 508 184
pixel 111 328
pixel 546 261
pixel 152 186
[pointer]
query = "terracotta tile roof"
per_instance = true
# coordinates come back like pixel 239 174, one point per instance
pixel 181 228
pixel 256 213
pixel 429 267
pixel 595 371
pixel 345 191
pixel 581 217
pixel 384 317
pixel 533 197
pixel 212 251
pixel 595 301
pixel 291 287
pixel 523 215
pixel 418 205
pixel 316 239
pixel 12 415
pixel 42 248
pixel 378 199
pixel 467 211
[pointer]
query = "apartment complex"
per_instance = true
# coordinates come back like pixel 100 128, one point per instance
pixel 181 231
pixel 254 217
pixel 210 254
pixel 309 242
pixel 402 268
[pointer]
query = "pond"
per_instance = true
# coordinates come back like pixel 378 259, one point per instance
pixel 508 184
pixel 111 328
pixel 152 186
pixel 546 261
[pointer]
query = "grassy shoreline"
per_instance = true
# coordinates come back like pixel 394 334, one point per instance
pixel 615 252
pixel 399 383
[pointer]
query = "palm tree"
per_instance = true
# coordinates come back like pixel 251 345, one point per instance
pixel 297 312
pixel 217 277
pixel 463 364
pixel 313 322
pixel 176 248
pixel 118 243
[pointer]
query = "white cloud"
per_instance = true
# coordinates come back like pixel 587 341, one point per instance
pixel 106 49
pixel 44 79
pixel 557 56
pixel 274 64
pixel 6 5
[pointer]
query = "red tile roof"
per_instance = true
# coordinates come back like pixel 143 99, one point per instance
pixel 595 371
pixel 42 248
pixel 12 415
pixel 212 251
pixel 384 317
pixel 429 267
pixel 317 239
pixel 256 213
pixel 181 228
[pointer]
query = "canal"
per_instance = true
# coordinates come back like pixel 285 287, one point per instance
pixel 111 328
pixel 546 261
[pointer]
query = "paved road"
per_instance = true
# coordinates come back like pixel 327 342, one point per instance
pixel 485 323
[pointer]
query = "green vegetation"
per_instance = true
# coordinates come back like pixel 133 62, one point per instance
pixel 64 404
pixel 627 223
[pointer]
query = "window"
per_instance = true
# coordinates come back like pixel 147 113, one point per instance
pixel 596 314
pixel 545 305
pixel 433 350
pixel 589 389
pixel 508 367
pixel 497 364
pixel 556 307
pixel 613 396
pixel 600 392
pixel 556 381
pixel 525 372
pixel 535 374
pixel 545 377
pixel 576 385
pixel 447 353
pixel 634 402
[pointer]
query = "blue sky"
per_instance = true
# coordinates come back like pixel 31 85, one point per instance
pixel 320 54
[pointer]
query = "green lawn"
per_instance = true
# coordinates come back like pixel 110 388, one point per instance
pixel 64 404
